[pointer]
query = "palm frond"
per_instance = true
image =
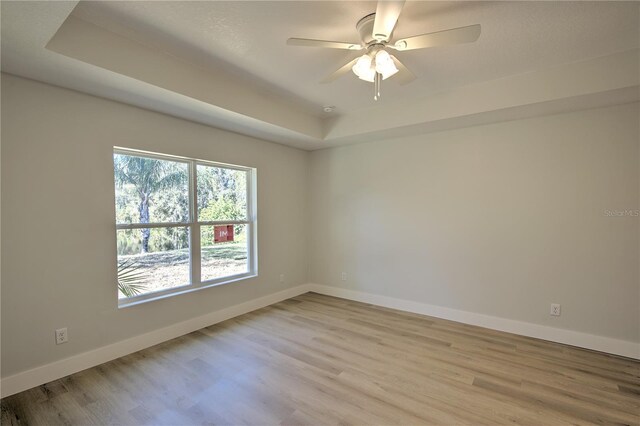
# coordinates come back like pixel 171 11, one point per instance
pixel 131 281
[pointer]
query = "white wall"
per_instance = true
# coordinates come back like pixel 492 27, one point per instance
pixel 58 241
pixel 501 219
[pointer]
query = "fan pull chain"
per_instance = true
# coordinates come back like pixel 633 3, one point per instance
pixel 376 86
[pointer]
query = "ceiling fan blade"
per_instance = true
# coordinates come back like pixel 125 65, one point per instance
pixel 323 43
pixel 403 76
pixel 339 72
pixel 441 38
pixel 387 13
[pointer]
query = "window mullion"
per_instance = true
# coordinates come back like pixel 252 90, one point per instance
pixel 151 225
pixel 224 222
pixel 195 260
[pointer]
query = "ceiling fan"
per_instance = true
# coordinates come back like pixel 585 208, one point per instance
pixel 375 32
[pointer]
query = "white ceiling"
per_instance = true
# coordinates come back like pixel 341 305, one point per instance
pixel 250 36
pixel 247 40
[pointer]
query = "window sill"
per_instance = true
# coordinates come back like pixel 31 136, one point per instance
pixel 189 288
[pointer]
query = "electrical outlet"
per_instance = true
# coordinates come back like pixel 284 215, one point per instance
pixel 281 278
pixel 62 336
pixel 555 310
pixel 344 276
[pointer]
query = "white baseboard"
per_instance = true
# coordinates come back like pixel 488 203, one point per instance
pixel 58 369
pixel 559 335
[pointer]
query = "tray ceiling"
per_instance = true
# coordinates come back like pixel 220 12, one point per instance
pixel 273 90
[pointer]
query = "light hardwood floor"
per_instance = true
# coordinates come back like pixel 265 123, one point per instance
pixel 316 359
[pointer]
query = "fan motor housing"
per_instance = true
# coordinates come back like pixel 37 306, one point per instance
pixel 365 28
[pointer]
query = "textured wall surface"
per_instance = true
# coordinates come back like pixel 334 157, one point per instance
pixel 58 231
pixel 501 219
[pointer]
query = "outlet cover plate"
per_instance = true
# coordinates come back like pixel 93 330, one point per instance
pixel 62 336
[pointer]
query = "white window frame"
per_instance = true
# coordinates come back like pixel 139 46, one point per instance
pixel 193 225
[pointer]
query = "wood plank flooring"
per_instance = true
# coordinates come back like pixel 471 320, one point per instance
pixel 321 360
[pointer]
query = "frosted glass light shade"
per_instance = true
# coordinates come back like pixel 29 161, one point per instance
pixel 385 65
pixel 363 68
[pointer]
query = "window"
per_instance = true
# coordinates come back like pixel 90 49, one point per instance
pixel 181 224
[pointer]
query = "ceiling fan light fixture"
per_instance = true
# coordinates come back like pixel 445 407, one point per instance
pixel 363 68
pixel 385 65
pixel 376 36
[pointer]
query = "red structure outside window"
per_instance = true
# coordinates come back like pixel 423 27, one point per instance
pixel 222 233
